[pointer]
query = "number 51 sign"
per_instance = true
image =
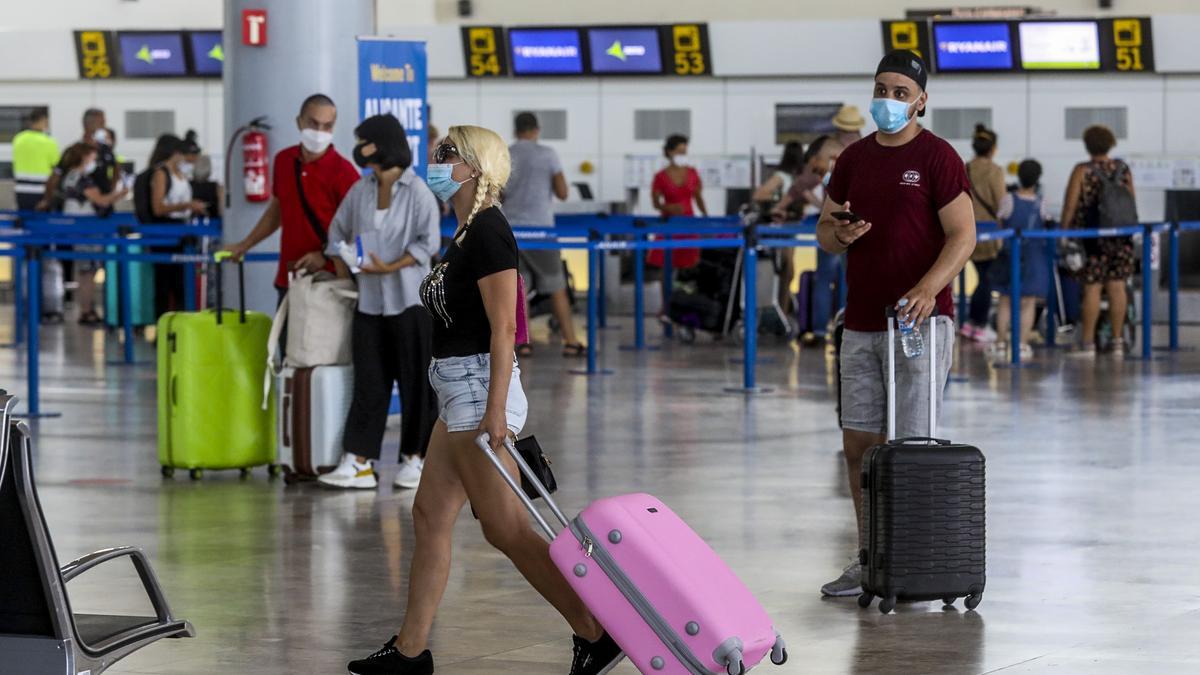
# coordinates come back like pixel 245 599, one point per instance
pixel 1128 45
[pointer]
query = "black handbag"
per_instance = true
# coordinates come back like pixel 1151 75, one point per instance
pixel 531 452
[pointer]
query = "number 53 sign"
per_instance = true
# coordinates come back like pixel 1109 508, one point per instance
pixel 687 45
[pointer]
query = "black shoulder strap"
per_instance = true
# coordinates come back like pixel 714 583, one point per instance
pixel 322 235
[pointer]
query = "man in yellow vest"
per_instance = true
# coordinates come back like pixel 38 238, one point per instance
pixel 34 156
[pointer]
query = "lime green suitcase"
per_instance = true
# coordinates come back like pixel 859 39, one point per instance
pixel 210 374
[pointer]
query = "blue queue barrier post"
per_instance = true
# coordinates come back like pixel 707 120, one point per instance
pixel 1147 290
pixel 667 274
pixel 601 310
pixel 1014 298
pixel 189 281
pixel 1052 297
pixel 1173 270
pixel 962 297
pixel 749 314
pixel 593 308
pixel 639 298
pixel 33 266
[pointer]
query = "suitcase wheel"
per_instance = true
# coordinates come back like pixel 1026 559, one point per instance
pixel 886 605
pixel 243 473
pixel 779 658
pixel 864 600
pixel 274 470
pixel 168 472
pixel 972 600
pixel 196 474
pixel 948 600
pixel 738 668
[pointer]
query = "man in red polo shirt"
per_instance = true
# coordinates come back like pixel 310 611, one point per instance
pixel 314 167
pixel 899 206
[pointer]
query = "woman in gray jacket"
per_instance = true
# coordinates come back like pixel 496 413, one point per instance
pixel 391 220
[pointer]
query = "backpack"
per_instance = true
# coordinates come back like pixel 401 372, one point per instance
pixel 142 205
pixel 1116 207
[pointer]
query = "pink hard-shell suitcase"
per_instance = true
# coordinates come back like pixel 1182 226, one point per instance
pixel 658 589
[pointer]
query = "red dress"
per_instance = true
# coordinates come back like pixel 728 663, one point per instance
pixel 682 195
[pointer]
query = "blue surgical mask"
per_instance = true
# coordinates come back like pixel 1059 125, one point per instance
pixel 890 115
pixel 440 182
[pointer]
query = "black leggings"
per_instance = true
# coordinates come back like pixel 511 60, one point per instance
pixel 391 349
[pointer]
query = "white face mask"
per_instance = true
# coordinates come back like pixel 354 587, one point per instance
pixel 100 136
pixel 315 141
pixel 89 168
pixel 679 160
pixel 187 169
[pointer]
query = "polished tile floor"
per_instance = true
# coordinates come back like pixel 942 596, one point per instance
pixel 1092 535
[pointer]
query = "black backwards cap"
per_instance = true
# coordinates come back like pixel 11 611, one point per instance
pixel 905 63
pixel 391 142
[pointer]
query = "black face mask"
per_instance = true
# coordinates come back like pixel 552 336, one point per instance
pixel 360 159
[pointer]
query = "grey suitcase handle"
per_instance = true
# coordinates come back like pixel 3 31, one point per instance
pixel 892 320
pixel 484 443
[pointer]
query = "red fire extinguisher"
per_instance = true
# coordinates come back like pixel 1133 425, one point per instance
pixel 256 165
pixel 256 161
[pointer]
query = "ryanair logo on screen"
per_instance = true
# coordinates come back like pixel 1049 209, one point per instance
pixel 382 73
pixel 622 52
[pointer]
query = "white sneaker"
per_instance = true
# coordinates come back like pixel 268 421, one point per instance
pixel 985 335
pixel 350 474
pixel 409 475
pixel 1026 352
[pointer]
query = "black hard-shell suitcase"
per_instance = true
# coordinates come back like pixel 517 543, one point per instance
pixel 923 499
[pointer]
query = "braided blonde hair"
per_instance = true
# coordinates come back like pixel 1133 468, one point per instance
pixel 485 152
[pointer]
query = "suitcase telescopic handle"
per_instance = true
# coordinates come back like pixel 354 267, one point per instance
pixel 892 320
pixel 484 443
pixel 221 257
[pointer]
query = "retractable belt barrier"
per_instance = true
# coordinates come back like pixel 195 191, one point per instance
pixel 33 237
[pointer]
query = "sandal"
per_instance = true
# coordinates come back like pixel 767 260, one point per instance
pixel 525 350
pixel 574 351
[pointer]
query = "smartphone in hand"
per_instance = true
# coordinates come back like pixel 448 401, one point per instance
pixel 846 215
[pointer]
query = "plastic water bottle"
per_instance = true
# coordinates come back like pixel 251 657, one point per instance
pixel 910 338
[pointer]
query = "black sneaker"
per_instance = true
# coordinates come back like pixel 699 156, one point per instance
pixel 389 661
pixel 595 658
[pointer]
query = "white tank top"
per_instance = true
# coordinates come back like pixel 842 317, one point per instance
pixel 179 191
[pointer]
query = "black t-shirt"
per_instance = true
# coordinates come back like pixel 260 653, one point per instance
pixel 451 291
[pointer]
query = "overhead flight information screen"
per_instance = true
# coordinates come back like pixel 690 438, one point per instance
pixel 973 47
pixel 207 53
pixel 546 51
pixel 148 54
pixel 1059 45
pixel 625 51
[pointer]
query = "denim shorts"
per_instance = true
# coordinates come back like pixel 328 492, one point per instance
pixel 461 384
pixel 864 380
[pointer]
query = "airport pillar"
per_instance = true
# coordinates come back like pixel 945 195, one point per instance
pixel 308 47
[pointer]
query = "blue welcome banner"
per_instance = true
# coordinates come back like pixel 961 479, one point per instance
pixel 393 79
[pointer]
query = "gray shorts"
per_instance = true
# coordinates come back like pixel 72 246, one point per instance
pixel 543 270
pixel 461 384
pixel 864 381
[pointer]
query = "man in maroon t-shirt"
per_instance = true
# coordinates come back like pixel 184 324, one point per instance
pixel 911 232
pixel 324 175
